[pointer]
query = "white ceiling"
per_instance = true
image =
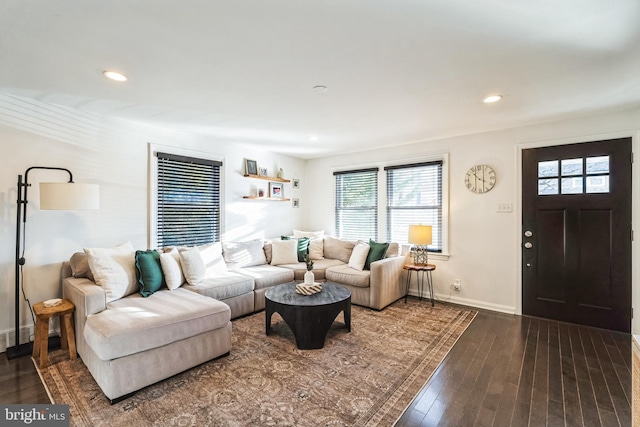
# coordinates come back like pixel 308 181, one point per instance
pixel 398 71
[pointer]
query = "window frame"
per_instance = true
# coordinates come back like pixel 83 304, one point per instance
pixel 154 149
pixel 375 208
pixel 388 208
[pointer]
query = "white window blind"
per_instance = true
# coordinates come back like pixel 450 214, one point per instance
pixel 414 196
pixel 188 200
pixel 356 204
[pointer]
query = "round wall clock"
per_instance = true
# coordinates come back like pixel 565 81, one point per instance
pixel 480 179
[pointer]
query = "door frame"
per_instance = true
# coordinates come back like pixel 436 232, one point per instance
pixel 635 210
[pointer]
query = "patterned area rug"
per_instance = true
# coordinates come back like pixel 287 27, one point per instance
pixel 366 377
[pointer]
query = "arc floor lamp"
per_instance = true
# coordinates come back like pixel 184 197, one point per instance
pixel 53 196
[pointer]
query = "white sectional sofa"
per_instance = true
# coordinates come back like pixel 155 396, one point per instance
pixel 129 341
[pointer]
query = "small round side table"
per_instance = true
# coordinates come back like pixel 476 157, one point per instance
pixel 421 271
pixel 67 336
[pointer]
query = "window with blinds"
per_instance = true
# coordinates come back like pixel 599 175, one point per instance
pixel 188 200
pixel 414 196
pixel 356 204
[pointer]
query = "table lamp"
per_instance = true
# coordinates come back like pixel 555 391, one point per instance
pixel 420 236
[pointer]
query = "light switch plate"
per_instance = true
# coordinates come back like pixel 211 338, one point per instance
pixel 504 207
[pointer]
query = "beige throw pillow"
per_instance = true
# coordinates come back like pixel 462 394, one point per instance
pixel 337 249
pixel 316 249
pixel 193 266
pixel 114 270
pixel 359 256
pixel 212 256
pixel 79 263
pixel 244 254
pixel 284 252
pixel 170 263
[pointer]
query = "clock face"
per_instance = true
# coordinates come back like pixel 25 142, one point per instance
pixel 480 179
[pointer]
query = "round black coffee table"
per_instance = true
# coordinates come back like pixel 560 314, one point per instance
pixel 308 316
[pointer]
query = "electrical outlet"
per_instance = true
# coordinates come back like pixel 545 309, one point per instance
pixel 456 285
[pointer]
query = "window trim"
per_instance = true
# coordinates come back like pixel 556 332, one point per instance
pixel 179 153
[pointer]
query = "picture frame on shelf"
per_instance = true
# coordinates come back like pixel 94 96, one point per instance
pixel 276 190
pixel 296 203
pixel 250 167
pixel 295 183
pixel 263 172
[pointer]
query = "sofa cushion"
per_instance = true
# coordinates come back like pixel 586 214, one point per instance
pixel 284 252
pixel 303 246
pixel 348 276
pixel 310 234
pixel 149 272
pixel 376 253
pixel 244 254
pixel 114 270
pixel 319 267
pixel 170 263
pixel 135 324
pixel 265 276
pixel 193 266
pixel 358 257
pixel 393 251
pixel 80 269
pixel 211 254
pixel 316 248
pixel 337 249
pixel 222 285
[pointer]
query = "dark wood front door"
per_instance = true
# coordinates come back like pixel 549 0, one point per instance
pixel 576 224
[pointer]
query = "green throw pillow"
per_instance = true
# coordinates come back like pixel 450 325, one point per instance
pixel 377 251
pixel 149 272
pixel 303 246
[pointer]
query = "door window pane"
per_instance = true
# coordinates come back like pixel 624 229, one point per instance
pixel 571 167
pixel 572 185
pixel 547 186
pixel 547 169
pixel 597 165
pixel 598 184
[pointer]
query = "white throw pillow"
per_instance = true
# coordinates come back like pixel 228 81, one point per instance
pixel 284 252
pixel 193 266
pixel 170 263
pixel 212 256
pixel 114 269
pixel 297 234
pixel 316 248
pixel 359 256
pixel 244 254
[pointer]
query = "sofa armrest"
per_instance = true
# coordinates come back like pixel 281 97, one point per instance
pixel 88 297
pixel 386 281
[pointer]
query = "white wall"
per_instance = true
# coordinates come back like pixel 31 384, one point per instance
pixel 484 246
pixel 114 154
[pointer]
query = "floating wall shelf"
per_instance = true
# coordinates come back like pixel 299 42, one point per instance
pixel 269 199
pixel 267 178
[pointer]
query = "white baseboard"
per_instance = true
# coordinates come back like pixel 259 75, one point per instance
pixel 26 333
pixel 468 302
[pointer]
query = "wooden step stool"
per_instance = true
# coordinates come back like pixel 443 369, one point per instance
pixel 67 335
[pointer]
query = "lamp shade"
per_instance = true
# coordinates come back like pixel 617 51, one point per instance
pixel 420 235
pixel 69 196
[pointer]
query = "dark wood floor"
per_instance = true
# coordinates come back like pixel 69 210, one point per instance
pixel 504 371
pixel 510 370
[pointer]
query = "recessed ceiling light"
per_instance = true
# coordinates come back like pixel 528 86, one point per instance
pixel 114 75
pixel 313 138
pixel 320 89
pixel 492 98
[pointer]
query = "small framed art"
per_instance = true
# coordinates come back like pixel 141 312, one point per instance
pixel 263 172
pixel 250 167
pixel 296 203
pixel 295 183
pixel 276 190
